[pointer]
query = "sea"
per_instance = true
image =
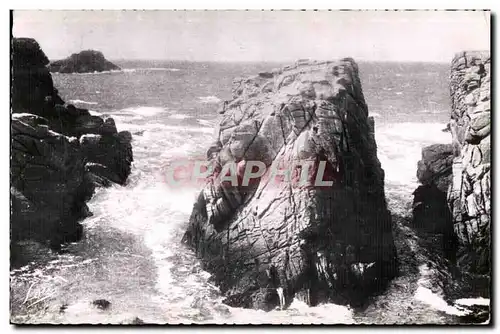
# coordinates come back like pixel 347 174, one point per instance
pixel 131 254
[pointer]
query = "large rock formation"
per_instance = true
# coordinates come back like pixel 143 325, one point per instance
pixel 59 153
pixel 87 61
pixel 469 196
pixel 455 192
pixel 272 240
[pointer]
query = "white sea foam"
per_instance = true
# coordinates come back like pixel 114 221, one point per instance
pixel 145 111
pixel 159 127
pixel 82 102
pixel 374 114
pixel 425 295
pixel 95 113
pixel 205 122
pixel 431 111
pixel 209 99
pixel 179 116
pixel 400 148
pixel 428 297
pixel 166 69
pixel 473 301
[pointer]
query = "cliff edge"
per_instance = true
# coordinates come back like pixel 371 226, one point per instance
pixel 469 195
pixel 455 197
pixel 59 153
pixel 274 239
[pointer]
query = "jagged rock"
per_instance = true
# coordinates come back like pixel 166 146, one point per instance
pixel 50 175
pixel 469 195
pixel 455 206
pixel 431 216
pixel 102 304
pixel 435 166
pixel 268 242
pixel 30 74
pixel 83 62
pixel 49 185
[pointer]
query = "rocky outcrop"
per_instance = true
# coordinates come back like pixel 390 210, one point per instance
pixel 435 166
pixel 275 239
pixel 469 196
pixel 87 61
pixel 49 183
pixel 456 182
pixel 430 208
pixel 59 153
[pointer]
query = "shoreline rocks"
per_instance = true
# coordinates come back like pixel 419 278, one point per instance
pixel 87 61
pixel 469 196
pixel 266 243
pixel 54 150
pixel 430 208
pixel 456 179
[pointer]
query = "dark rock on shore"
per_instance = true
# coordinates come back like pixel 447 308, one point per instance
pixel 435 166
pixel 102 304
pixel 54 148
pixel 454 201
pixel 269 242
pixel 87 61
pixel 430 209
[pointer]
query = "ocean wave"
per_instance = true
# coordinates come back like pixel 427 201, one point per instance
pixel 473 301
pixel 205 122
pixel 374 114
pixel 95 113
pixel 209 99
pixel 179 116
pixel 81 102
pixel 427 296
pixel 145 111
pixel 432 111
pixel 90 73
pixel 125 70
pixel 399 93
pixel 159 127
pixel 400 148
pixel 167 69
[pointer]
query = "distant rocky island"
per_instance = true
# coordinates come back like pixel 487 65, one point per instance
pixel 87 61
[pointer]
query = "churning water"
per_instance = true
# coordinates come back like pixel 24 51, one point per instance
pixel 131 254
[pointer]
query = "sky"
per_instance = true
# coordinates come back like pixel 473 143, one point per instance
pixel 258 35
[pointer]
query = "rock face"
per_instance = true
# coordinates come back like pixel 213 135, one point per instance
pixel 469 196
pixel 430 208
pixel 59 153
pixel 431 214
pixel 87 61
pixel 455 178
pixel 274 239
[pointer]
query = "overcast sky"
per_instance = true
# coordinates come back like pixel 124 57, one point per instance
pixel 257 35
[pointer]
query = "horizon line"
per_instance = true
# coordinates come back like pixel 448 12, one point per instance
pixel 358 60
